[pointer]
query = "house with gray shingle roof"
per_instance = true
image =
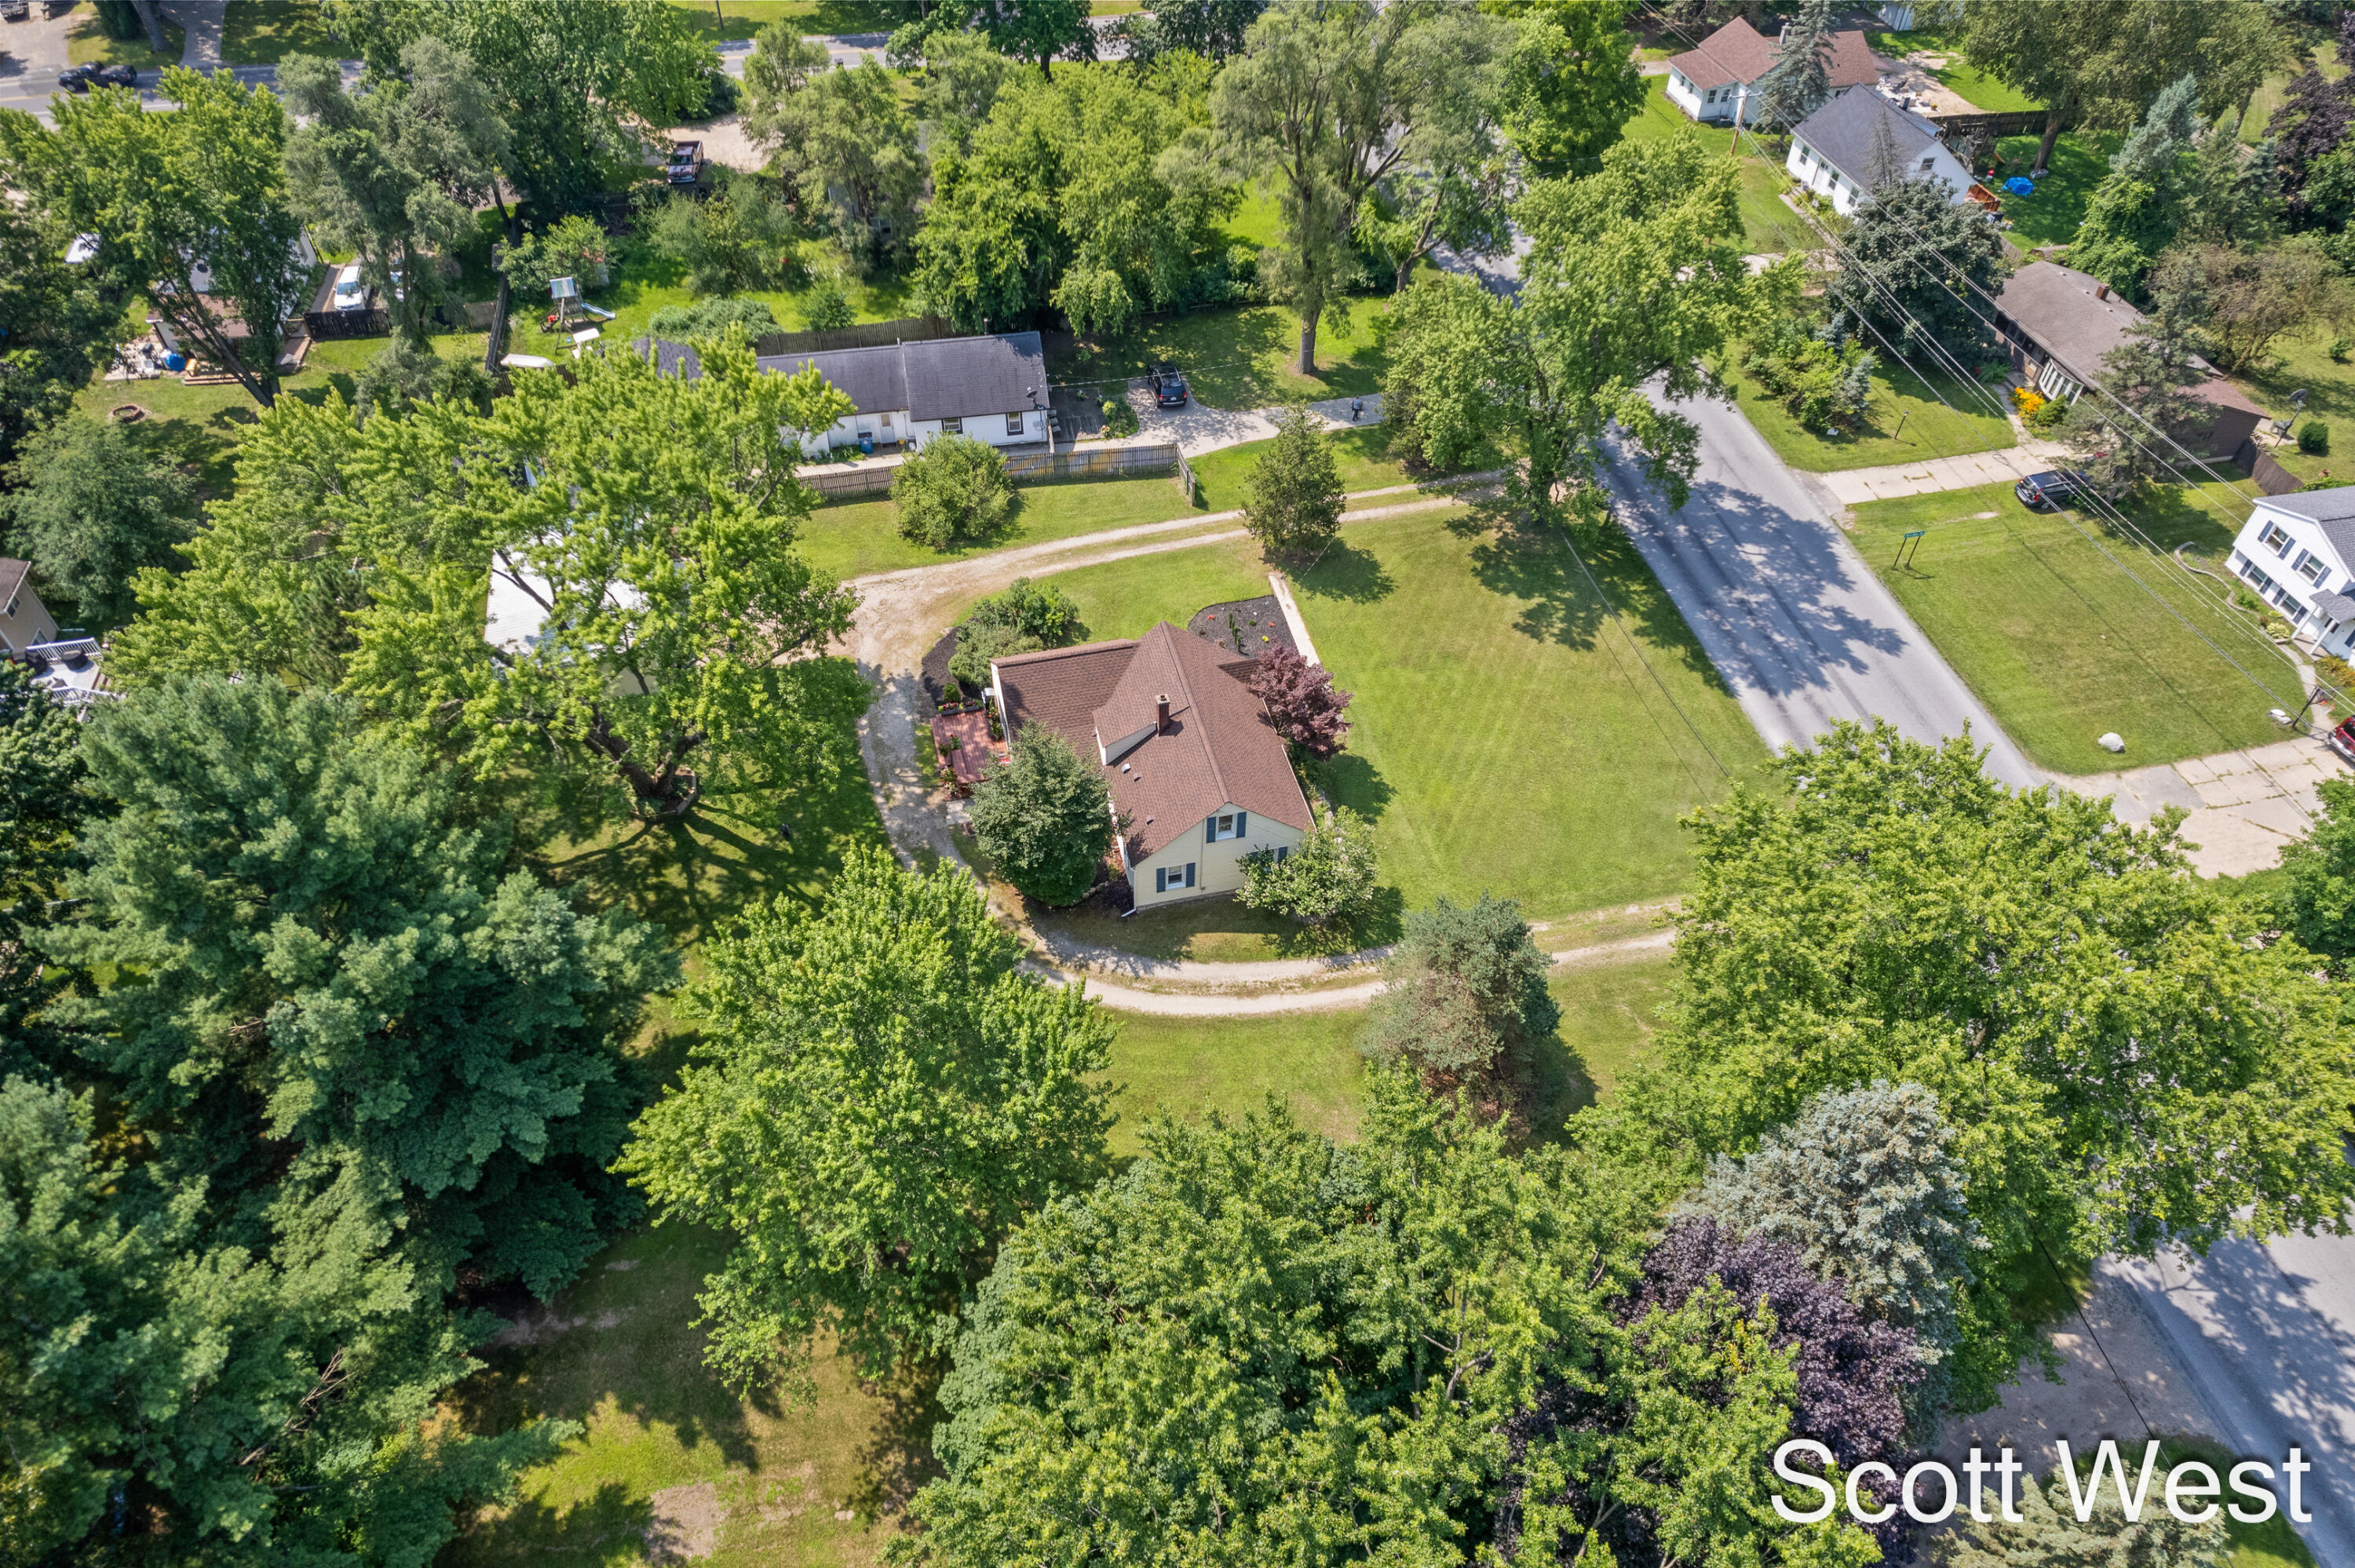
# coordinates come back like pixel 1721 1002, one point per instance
pixel 1837 150
pixel 993 389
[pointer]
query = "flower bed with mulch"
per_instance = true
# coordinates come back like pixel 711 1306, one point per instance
pixel 1245 627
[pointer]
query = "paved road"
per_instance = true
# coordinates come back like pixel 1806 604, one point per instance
pixel 1786 609
pixel 2268 1335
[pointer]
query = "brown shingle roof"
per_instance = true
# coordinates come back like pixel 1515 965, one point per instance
pixel 1739 52
pixel 1217 750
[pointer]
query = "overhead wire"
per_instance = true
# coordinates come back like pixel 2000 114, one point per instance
pixel 1742 132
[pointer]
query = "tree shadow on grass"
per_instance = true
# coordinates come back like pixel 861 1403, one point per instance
pixel 608 1526
pixel 1346 572
pixel 897 1457
pixel 1354 782
pixel 1552 1084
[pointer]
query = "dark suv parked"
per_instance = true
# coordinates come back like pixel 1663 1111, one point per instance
pixel 82 78
pixel 1168 385
pixel 2038 491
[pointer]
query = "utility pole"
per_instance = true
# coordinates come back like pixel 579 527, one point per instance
pixel 1741 101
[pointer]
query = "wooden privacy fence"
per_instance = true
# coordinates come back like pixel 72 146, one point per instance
pixel 2259 465
pixel 874 477
pixel 1956 128
pixel 378 321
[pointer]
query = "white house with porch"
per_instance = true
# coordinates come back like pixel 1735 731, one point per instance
pixel 2295 552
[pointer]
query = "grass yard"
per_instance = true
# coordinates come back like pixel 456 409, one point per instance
pixel 1244 356
pixel 618 1352
pixel 2063 645
pixel 2304 362
pixel 851 537
pixel 1769 227
pixel 1658 119
pixel 643 282
pixel 1506 736
pixel 718 19
pixel 263 32
pixel 85 41
pixel 2050 217
pixel 1908 423
pixel 1361 455
pixel 1181 1066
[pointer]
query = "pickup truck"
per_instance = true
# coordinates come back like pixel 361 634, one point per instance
pixel 686 162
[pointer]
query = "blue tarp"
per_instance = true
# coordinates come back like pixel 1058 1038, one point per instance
pixel 2019 186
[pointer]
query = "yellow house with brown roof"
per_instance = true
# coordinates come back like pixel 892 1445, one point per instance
pixel 1198 775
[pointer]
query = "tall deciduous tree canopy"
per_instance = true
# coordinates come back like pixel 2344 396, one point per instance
pixel 57 323
pixel 94 506
pixel 1452 186
pixel 1096 193
pixel 1316 106
pixel 1042 31
pixel 1891 913
pixel 196 197
pixel 572 79
pixel 1571 83
pixel 878 1099
pixel 842 141
pixel 1634 272
pixel 2133 214
pixel 1259 1344
pixel 392 174
pixel 641 526
pixel 359 1062
pixel 2099 63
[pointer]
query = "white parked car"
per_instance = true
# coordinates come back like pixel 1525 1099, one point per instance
pixel 350 293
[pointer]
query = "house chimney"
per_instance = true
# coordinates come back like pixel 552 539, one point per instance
pixel 2101 291
pixel 1161 715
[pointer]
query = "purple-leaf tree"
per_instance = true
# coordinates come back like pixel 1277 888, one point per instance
pixel 1302 701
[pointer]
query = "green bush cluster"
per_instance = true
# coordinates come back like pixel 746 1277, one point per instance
pixel 2313 438
pixel 1825 384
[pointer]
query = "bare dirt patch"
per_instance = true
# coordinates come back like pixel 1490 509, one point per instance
pixel 685 1523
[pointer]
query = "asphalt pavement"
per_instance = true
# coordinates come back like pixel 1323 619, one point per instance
pixel 1791 616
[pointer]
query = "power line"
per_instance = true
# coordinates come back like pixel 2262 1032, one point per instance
pixel 1937 349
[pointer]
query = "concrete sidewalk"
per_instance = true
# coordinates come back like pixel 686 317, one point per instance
pixel 1855 486
pixel 2246 807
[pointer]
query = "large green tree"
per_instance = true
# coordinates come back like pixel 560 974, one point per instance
pixel 1043 31
pixel 1316 106
pixel 2126 1061
pixel 359 1062
pixel 637 530
pixel 574 80
pixel 43 804
pixel 1465 988
pixel 1293 497
pixel 1260 1345
pixel 1046 818
pixel 2099 63
pixel 2133 214
pixel 1634 272
pixel 94 507
pixel 1452 185
pixel 879 1097
pixel 393 174
pixel 1917 263
pixel 1096 193
pixel 842 141
pixel 1571 82
pixel 194 197
pixel 57 323
pixel 1799 80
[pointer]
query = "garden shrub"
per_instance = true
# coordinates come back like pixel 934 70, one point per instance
pixel 2027 400
pixel 1330 875
pixel 1045 818
pixel 827 309
pixel 1024 618
pixel 712 318
pixel 953 491
pixel 2313 438
pixel 1824 383
pixel 574 247
pixel 2337 672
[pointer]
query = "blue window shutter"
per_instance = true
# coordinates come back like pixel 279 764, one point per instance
pixel 1242 820
pixel 1160 879
pixel 1189 873
pixel 1211 830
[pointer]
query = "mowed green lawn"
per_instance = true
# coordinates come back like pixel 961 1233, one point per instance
pixel 1912 418
pixel 2063 646
pixel 1508 735
pixel 849 537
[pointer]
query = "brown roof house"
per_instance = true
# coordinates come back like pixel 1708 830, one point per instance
pixel 1197 772
pixel 1708 81
pixel 2058 325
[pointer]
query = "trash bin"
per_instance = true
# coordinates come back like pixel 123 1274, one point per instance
pixel 866 445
